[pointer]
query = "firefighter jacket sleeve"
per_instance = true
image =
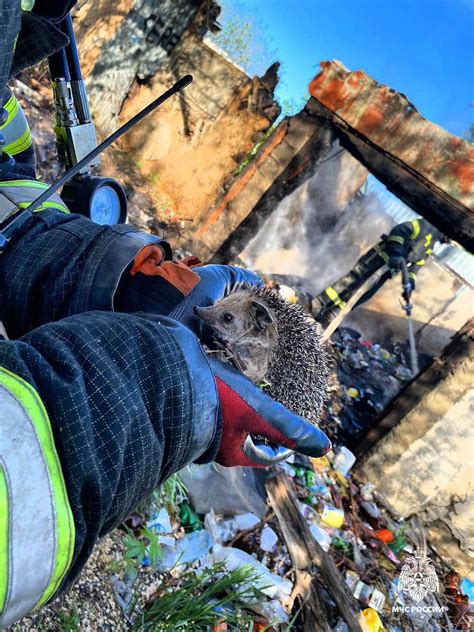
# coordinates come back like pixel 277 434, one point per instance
pixel 60 264
pixel 398 241
pixel 34 34
pixel 130 400
pixel 412 241
pixel 156 295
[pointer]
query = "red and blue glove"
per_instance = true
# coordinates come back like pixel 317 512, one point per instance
pixel 257 431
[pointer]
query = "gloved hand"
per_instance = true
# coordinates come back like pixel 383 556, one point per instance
pixel 394 264
pixel 249 416
pixel 407 294
pixel 216 282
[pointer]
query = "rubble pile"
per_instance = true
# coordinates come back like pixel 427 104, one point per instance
pixel 367 376
pixel 372 552
pixel 171 568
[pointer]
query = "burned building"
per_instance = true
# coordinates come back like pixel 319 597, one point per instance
pixel 296 208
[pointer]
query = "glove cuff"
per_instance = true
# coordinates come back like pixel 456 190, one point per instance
pixel 213 449
pixel 205 434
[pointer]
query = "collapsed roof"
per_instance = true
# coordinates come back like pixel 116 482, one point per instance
pixel 429 169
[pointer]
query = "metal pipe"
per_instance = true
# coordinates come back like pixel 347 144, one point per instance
pixel 72 53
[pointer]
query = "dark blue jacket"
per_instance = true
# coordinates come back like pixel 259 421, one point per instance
pixel 131 400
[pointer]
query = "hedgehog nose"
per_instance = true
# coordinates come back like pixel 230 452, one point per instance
pixel 196 310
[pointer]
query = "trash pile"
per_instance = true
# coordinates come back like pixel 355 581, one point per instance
pixel 367 377
pixel 383 561
pixel 376 556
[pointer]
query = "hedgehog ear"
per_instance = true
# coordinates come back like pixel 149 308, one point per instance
pixel 263 316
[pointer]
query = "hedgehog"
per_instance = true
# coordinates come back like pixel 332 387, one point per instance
pixel 274 343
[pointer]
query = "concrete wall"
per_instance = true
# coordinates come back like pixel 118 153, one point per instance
pixel 425 468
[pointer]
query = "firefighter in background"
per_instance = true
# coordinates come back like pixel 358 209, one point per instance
pixel 411 241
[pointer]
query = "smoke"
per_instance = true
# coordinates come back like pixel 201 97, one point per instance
pixel 318 232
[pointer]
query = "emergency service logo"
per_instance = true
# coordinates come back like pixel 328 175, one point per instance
pixel 418 577
pixel 417 580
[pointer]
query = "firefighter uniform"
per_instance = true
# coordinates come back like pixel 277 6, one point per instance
pixel 412 241
pixel 15 129
pixel 90 425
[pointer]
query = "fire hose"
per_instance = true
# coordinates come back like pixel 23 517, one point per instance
pixel 408 309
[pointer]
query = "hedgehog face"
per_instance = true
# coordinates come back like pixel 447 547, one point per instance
pixel 236 317
pixel 245 327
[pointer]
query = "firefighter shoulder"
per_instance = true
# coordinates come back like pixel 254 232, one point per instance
pixel 90 426
pixel 413 242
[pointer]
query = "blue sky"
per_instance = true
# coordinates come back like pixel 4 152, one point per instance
pixel 423 48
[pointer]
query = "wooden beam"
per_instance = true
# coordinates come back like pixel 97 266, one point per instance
pixel 358 294
pixel 308 558
pixel 421 163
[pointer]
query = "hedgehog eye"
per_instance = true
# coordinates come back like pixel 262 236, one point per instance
pixel 228 318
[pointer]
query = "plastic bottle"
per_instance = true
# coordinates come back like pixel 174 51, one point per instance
pixel 344 460
pixel 372 619
pixel 269 584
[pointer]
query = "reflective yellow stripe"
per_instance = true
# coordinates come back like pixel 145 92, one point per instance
pixel 416 229
pixel 335 298
pixel 381 252
pixel 20 144
pixel 11 106
pixel 421 262
pixel 412 276
pixel 65 531
pixel 4 528
pixel 45 206
pixel 33 184
pixel 428 239
pixel 397 239
pixel 429 251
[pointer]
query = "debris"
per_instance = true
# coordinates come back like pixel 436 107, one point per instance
pixel 385 535
pixel 268 583
pixel 344 460
pixel 367 377
pixel 331 536
pixel 321 536
pixel 332 516
pixel 193 546
pixel 189 518
pixel 467 587
pixel 305 552
pixel 246 521
pixel 369 596
pixel 372 619
pixel 288 293
pixel 160 522
pixel 268 539
pixel 272 610
pixel 226 490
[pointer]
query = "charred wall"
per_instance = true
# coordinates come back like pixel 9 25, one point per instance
pixel 187 149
